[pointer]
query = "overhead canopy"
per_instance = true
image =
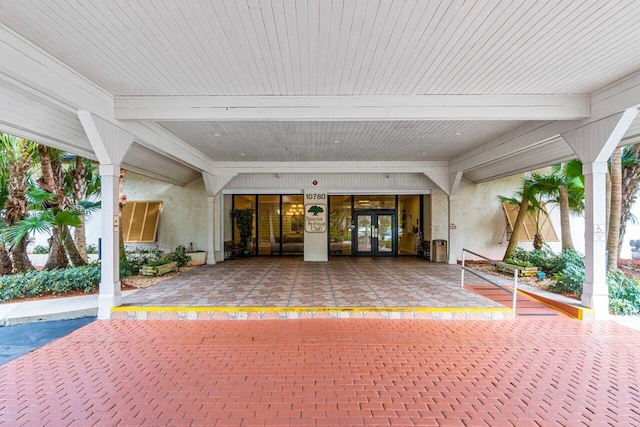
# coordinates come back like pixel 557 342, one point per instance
pixel 486 87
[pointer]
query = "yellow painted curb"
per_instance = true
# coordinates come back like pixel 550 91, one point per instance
pixel 580 313
pixel 316 309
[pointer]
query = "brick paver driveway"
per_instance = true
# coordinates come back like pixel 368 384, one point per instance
pixel 329 372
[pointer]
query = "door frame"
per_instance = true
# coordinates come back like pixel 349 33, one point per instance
pixel 374 213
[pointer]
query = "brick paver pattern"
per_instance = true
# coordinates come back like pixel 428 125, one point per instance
pixel 329 372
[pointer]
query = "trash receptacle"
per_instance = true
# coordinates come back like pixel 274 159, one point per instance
pixel 439 250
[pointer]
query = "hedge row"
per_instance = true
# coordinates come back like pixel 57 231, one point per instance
pixel 34 283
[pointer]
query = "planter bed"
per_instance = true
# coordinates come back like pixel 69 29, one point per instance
pixel 522 271
pixel 159 270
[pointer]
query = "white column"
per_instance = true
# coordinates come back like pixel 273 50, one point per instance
pixel 452 244
pixel 110 143
pixel 110 294
pixel 316 225
pixel 211 230
pixel 219 224
pixel 595 293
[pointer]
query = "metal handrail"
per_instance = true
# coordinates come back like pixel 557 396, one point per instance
pixel 514 291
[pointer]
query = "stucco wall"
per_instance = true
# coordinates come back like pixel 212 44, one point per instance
pixel 480 221
pixel 184 210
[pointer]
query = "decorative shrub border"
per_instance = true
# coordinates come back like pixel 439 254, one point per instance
pixel 56 282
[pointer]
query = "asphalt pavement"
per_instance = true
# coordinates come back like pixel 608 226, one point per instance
pixel 21 339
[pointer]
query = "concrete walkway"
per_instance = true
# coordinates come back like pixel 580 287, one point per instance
pixel 61 308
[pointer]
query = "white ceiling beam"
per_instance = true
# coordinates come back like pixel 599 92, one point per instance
pixel 213 184
pixel 525 138
pixel 234 168
pixel 41 74
pixel 619 96
pixel 353 107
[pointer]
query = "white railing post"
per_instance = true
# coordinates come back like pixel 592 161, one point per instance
pixel 515 290
pixel 462 271
pixel 501 264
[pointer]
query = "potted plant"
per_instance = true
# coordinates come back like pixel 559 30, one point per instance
pixel 243 219
pixel 197 257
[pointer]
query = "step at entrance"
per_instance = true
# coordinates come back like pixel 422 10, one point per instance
pixel 526 306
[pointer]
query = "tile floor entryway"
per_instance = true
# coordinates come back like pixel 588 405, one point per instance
pixel 265 287
pixel 329 372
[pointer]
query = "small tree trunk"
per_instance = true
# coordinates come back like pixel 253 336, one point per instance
pixel 21 261
pixel 122 201
pixel 57 254
pixel 79 186
pixel 6 266
pixel 517 226
pixel 538 241
pixel 616 203
pixel 72 251
pixel 80 238
pixel 565 222
pixel 629 188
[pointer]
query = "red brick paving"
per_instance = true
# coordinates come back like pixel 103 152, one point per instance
pixel 329 372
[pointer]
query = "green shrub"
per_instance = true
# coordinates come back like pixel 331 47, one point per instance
pixel 136 258
pixel 34 283
pixel 567 271
pixel 40 250
pixel 180 256
pixel 624 294
pixel 517 262
pixel 92 249
pixel 537 257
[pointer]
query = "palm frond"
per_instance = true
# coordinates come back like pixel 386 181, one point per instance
pixel 38 223
pixel 89 206
pixel 68 218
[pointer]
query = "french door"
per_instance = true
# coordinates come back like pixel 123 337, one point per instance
pixel 375 233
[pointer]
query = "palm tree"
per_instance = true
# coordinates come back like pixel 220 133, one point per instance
pixel 6 265
pixel 616 204
pixel 630 185
pixel 564 186
pixel 82 182
pixel 16 154
pixel 45 218
pixel 52 181
pixel 522 199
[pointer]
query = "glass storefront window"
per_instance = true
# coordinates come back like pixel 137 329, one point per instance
pixel 340 225
pixel 268 225
pixel 245 202
pixel 374 202
pixel 408 223
pixel 292 225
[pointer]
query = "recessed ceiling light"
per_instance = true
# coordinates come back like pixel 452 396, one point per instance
pixel 336 141
pixel 242 154
pixel 216 134
pixel 458 133
pixel 424 154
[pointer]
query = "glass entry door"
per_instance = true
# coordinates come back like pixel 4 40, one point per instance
pixel 375 233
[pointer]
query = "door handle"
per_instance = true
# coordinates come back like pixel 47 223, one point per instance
pixel 374 232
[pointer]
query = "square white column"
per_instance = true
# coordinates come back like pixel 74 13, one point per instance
pixel 110 294
pixel 596 292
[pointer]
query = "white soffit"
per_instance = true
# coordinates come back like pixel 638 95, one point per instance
pixel 336 47
pixel 147 162
pixel 526 60
pixel 338 141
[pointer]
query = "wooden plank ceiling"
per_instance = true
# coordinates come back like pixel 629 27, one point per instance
pixel 336 48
